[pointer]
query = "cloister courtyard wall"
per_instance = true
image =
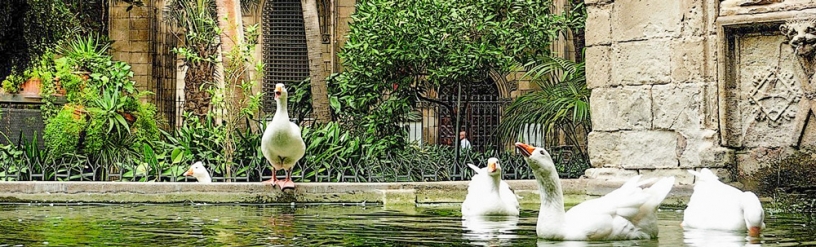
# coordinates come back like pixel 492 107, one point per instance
pixel 687 84
pixel 676 85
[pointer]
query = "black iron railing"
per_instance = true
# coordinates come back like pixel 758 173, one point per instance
pixel 33 165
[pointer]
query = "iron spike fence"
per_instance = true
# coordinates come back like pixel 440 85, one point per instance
pixel 33 164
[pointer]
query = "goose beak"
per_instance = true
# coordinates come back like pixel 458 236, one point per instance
pixel 491 167
pixel 753 231
pixel 188 172
pixel 278 91
pixel 525 149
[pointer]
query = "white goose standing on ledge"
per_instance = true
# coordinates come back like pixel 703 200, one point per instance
pixel 281 143
pixel 718 206
pixel 625 213
pixel 488 194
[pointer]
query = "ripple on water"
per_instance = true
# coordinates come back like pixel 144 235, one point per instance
pixel 330 225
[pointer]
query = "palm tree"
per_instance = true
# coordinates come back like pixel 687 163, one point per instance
pixel 320 93
pixel 561 107
pixel 196 20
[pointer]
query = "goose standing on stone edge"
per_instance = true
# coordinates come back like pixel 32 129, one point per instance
pixel 718 206
pixel 625 213
pixel 488 194
pixel 281 143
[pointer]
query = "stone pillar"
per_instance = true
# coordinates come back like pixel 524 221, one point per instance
pixel 130 32
pixel 651 66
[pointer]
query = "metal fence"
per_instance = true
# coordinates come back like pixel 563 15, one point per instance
pixel 413 165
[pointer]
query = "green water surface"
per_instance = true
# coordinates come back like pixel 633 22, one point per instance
pixel 329 225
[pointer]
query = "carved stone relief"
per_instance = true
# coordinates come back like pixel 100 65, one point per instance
pixel 801 36
pixel 766 91
pixel 773 92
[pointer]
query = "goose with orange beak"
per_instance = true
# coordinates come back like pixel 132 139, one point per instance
pixel 625 213
pixel 198 171
pixel 282 144
pixel 718 206
pixel 488 194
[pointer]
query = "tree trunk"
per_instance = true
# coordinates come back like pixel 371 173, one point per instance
pixel 232 37
pixel 320 93
pixel 230 23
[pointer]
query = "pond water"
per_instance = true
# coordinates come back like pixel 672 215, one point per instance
pixel 329 225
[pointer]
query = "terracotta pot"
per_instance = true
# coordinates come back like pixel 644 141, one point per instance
pixel 31 87
pixel 129 117
pixel 58 90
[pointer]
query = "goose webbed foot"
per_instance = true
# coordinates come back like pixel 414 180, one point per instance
pixel 287 183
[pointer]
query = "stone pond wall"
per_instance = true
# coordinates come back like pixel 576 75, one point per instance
pixel 686 84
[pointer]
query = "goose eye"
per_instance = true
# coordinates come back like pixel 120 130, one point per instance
pixel 541 152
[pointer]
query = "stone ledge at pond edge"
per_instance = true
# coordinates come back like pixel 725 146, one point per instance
pixel 413 193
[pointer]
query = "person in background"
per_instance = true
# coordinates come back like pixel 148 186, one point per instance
pixel 463 141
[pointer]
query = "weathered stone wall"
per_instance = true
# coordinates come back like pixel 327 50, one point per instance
pixel 657 70
pixel 130 32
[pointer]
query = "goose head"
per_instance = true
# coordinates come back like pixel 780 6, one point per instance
pixel 280 92
pixel 198 171
pixel 538 158
pixel 493 167
pixel 753 214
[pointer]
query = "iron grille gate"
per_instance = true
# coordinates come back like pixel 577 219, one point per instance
pixel 164 71
pixel 481 111
pixel 285 53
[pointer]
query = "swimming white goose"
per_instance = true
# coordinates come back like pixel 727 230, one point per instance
pixel 718 206
pixel 488 194
pixel 198 171
pixel 625 213
pixel 281 143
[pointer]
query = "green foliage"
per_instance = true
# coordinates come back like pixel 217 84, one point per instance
pixel 104 95
pixel 28 28
pixel 561 106
pixel 399 51
pixel 63 132
pixel 13 83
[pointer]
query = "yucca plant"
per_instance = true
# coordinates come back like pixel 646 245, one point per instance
pixel 560 107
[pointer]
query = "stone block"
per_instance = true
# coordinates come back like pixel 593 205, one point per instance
pixel 345 11
pixel 597 2
pixel 139 12
pixel 140 46
pixel 120 46
pixel 641 62
pixel 693 22
pixel 677 106
pixel 681 176
pixel 653 149
pixel 688 59
pixel 624 108
pixel 119 34
pixel 346 3
pixel 598 27
pixel 609 174
pixel 141 68
pixel 603 149
pixel 140 24
pixel 702 150
pixel 139 35
pixel 598 66
pixel 645 19
pixel 122 24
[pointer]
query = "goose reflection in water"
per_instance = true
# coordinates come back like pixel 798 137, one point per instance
pixel 712 238
pixel 490 230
